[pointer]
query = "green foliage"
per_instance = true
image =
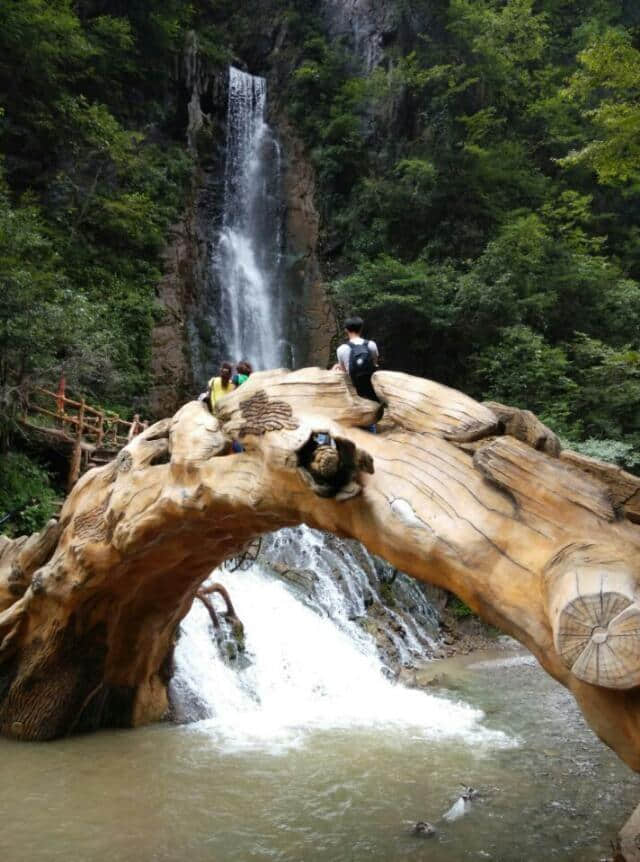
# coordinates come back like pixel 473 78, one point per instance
pixel 623 454
pixel 458 608
pixel 606 89
pixel 507 40
pixel 25 491
pixel 93 184
pixel 523 370
pixel 608 395
pixel 32 290
pixel 212 46
pixel 412 306
pixel 481 251
pixel 34 324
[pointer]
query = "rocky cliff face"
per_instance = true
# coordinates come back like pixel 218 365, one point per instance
pixel 317 325
pixel 185 351
pixel 369 26
pixel 366 25
pixel 170 362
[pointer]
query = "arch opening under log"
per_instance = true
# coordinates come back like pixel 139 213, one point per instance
pixel 476 498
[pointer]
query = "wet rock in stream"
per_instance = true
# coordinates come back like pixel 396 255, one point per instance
pixel 461 806
pixel 423 829
pixel 399 613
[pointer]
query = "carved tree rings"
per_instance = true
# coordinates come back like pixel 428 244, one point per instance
pixel 595 616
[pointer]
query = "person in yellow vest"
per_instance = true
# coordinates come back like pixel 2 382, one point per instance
pixel 221 385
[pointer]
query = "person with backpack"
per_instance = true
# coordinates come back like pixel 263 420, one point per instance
pixel 358 358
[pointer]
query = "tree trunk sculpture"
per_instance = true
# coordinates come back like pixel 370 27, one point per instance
pixel 541 543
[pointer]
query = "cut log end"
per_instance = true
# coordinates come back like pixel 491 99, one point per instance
pixel 596 619
pixel 599 639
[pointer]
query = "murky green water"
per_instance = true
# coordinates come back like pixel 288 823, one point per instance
pixel 167 793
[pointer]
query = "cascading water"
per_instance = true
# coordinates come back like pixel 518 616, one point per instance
pixel 306 670
pixel 345 582
pixel 309 663
pixel 248 258
pixel 309 666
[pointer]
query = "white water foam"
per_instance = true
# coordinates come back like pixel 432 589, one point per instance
pixel 306 674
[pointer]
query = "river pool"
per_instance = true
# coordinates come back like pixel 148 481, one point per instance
pixel 547 788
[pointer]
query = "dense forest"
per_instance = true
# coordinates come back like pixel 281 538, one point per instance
pixel 478 187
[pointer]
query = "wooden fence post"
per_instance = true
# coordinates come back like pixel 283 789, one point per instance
pixel 76 454
pixel 100 431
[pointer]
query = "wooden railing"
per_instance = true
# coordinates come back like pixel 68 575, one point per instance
pixel 99 427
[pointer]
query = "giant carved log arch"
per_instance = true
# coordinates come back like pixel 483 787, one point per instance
pixel 475 498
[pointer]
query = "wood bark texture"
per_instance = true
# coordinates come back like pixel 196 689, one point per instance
pixel 474 498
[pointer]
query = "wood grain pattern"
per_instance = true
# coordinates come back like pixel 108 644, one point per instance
pixel 540 545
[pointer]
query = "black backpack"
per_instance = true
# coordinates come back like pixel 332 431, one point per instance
pixel 361 365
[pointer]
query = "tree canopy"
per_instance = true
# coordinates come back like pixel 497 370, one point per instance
pixel 478 188
pixel 480 198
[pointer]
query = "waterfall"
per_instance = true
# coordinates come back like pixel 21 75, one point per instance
pixel 344 580
pixel 248 256
pixel 311 661
pixel 309 666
